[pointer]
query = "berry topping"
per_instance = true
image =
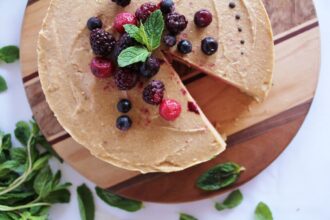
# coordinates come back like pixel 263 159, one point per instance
pixel 101 67
pixel 124 42
pixel 169 40
pixel 154 93
pixel 185 46
pixel 124 106
pixel 176 23
pixel 150 68
pixel 124 123
pixel 232 5
pixel 192 107
pixel 203 18
pixel 170 109
pixel 102 42
pixel 122 19
pixel 122 3
pixel 94 23
pixel 209 45
pixel 125 79
pixel 145 11
pixel 166 6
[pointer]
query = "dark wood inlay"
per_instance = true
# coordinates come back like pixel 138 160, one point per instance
pixel 30 77
pixel 30 2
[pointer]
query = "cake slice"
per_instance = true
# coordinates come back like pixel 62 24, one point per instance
pixel 245 55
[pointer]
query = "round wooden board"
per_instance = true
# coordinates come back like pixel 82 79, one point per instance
pixel 257 132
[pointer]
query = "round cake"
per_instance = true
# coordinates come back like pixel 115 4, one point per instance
pixel 133 117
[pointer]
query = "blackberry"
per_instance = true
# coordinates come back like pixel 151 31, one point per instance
pixel 154 93
pixel 102 42
pixel 122 3
pixel 169 40
pixel 175 23
pixel 185 46
pixel 93 23
pixel 124 123
pixel 150 68
pixel 166 6
pixel 124 106
pixel 124 42
pixel 145 11
pixel 125 79
pixel 209 45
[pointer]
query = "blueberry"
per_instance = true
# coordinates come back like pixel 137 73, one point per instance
pixel 203 18
pixel 150 68
pixel 209 46
pixel 169 40
pixel 124 123
pixel 122 3
pixel 185 46
pixel 166 6
pixel 124 106
pixel 94 23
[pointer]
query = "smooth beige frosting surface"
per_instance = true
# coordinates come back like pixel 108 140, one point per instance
pixel 247 66
pixel 86 106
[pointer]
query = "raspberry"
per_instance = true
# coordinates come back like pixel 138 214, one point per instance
pixel 124 42
pixel 125 79
pixel 102 42
pixel 176 23
pixel 170 109
pixel 203 18
pixel 145 11
pixel 150 68
pixel 122 3
pixel 122 19
pixel 153 94
pixel 101 68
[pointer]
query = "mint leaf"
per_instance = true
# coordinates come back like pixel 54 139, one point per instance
pixel 9 54
pixel 220 176
pixel 154 27
pixel 118 201
pixel 22 132
pixel 134 32
pixel 233 200
pixel 86 203
pixel 263 212
pixel 3 84
pixel 184 216
pixel 132 55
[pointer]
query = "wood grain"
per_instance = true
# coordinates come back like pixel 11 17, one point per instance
pixel 257 133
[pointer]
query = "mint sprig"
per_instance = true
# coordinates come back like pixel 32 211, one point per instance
pixel 148 34
pixel 233 200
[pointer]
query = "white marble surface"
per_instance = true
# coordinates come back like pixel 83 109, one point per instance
pixel 296 186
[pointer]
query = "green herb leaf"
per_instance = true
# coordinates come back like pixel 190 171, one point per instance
pixel 220 176
pixel 154 27
pixel 59 196
pixel 132 55
pixel 3 84
pixel 184 216
pixel 137 33
pixel 118 201
pixel 43 182
pixel 233 200
pixel 18 154
pixel 9 54
pixel 86 203
pixel 22 132
pixel 263 212
pixel 41 141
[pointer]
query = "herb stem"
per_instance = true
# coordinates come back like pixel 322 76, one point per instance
pixel 22 178
pixel 8 208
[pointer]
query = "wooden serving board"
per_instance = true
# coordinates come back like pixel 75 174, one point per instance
pixel 257 132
